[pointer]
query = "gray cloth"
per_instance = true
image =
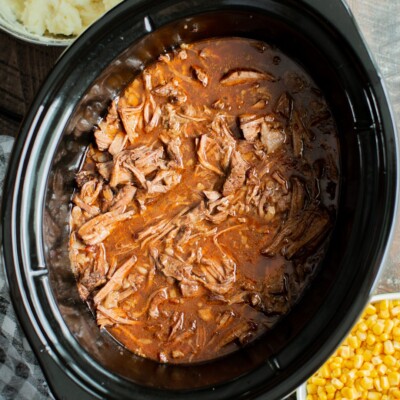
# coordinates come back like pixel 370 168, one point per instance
pixel 20 373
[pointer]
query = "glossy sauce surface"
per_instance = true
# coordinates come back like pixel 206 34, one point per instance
pixel 206 201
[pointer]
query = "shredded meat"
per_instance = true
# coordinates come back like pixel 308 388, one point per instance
pixel 237 175
pixel 242 76
pixel 205 200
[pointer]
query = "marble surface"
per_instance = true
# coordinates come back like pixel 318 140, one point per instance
pixel 379 22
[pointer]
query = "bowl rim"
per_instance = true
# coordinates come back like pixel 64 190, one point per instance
pixel 19 31
pixel 301 392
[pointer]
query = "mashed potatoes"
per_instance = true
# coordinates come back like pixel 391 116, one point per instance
pixel 58 17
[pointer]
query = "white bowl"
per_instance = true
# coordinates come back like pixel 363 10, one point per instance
pixel 301 392
pixel 19 31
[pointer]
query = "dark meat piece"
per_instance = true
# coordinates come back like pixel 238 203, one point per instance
pixel 83 176
pixel 130 117
pixel 123 197
pixel 205 151
pixel 91 210
pixel 98 228
pixel 250 124
pixel 302 231
pixel 171 91
pixel 118 143
pixel 163 181
pixel 242 76
pixel 116 280
pixel 200 75
pixel 105 169
pixel 284 105
pixel 94 275
pixel 237 175
pixel 298 197
pixel 173 149
pixel 317 229
pixel 108 128
pixel 188 288
pixel 174 268
pixel 271 138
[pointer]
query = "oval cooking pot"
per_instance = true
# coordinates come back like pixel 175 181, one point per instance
pixel 78 360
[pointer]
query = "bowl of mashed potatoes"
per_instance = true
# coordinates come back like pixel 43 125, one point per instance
pixel 51 22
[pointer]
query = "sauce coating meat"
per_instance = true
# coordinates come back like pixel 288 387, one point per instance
pixel 206 200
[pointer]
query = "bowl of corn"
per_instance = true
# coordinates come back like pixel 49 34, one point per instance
pixel 367 364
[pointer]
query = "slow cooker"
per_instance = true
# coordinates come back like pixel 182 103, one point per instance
pixel 80 361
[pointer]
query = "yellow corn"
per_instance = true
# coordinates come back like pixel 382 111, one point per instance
pixel 367 365
pixel 395 311
pixel 378 328
pixel 377 349
pixel 394 378
pixel 358 361
pixel 389 324
pixel 371 339
pixel 385 383
pixel 388 347
pixel 390 361
pixel 373 396
pixel 371 309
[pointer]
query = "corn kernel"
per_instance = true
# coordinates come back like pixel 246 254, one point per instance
pixel 325 371
pixel 362 326
pixel 367 355
pixel 349 393
pixel 382 368
pixel 337 383
pixel 371 339
pixel 395 393
pixel 353 341
pixel 389 324
pixel 385 383
pixel 373 396
pixel 361 335
pixel 378 328
pixel 388 347
pixel 384 337
pixel 377 349
pixel 385 314
pixel 311 388
pixel 330 389
pixel 384 304
pixel 368 366
pixel 336 372
pixel 390 361
pixel 377 384
pixel 358 361
pixel 395 311
pixel 376 360
pixel 334 365
pixel 370 309
pixel 318 381
pixel 394 378
pixel 396 331
pixel 367 383
pixel 345 351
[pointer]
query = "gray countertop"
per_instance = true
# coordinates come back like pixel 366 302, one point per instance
pixel 379 22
